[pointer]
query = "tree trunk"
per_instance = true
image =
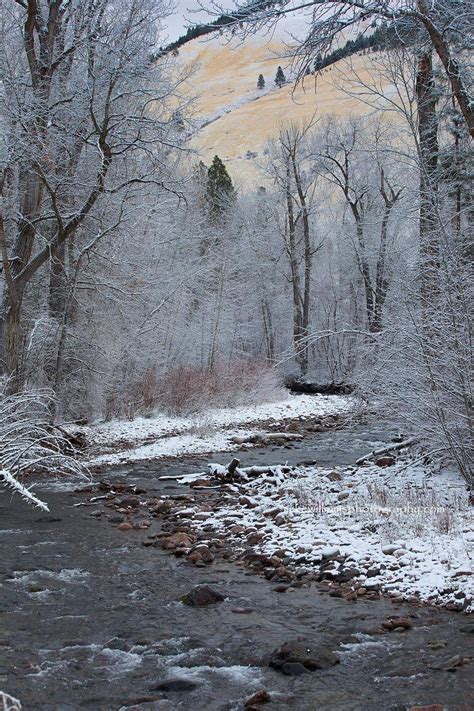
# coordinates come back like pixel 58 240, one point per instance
pixel 307 266
pixel 428 148
pixel 11 337
pixel 451 66
pixel 298 324
pixel 57 282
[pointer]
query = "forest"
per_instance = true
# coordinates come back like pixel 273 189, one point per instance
pixel 129 268
pixel 139 283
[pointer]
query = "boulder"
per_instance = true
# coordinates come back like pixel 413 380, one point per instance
pixel 201 596
pixel 304 653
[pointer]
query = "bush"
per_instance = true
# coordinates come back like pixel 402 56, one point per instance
pixel 187 390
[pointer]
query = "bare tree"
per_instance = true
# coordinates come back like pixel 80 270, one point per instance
pixel 292 171
pixel 86 117
pixel 341 154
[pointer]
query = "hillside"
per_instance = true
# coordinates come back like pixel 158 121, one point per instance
pixel 234 119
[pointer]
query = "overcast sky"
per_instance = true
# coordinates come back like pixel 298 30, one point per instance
pixel 182 17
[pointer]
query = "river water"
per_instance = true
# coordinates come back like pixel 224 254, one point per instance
pixel 91 619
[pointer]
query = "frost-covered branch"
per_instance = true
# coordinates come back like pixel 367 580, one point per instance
pixel 30 445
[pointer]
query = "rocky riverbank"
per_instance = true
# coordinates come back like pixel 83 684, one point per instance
pixel 95 619
pixel 388 528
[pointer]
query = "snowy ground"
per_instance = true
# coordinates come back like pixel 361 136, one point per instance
pixel 121 441
pixel 401 529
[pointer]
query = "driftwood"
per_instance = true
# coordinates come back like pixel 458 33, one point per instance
pixel 233 473
pixel 301 385
pixel 394 447
pixel 228 473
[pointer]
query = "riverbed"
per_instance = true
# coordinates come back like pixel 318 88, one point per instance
pixel 92 619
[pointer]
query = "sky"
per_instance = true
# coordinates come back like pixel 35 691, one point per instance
pixel 182 17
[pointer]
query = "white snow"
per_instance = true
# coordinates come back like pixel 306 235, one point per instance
pixel 422 520
pixel 165 436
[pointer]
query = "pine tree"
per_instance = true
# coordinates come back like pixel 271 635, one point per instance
pixel 220 191
pixel 260 82
pixel 319 63
pixel 280 78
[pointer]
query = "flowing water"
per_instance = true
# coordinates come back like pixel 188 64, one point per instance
pixel 91 619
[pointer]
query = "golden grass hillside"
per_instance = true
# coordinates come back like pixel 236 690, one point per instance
pixel 236 119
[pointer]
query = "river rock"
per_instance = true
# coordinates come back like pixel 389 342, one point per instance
pixel 468 629
pixel 293 669
pixel 177 684
pixel 125 526
pixel 385 461
pixel 129 502
pixel 176 540
pixel 201 596
pixel 260 697
pixel 304 653
pixel 390 550
pixel 344 576
pixel 395 623
pixel 330 552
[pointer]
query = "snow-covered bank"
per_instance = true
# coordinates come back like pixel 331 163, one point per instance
pixel 401 530
pixel 122 441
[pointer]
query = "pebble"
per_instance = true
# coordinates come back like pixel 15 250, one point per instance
pixel 330 552
pixel 124 526
pixel 242 610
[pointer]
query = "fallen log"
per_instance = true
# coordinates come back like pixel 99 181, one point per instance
pixel 310 387
pixel 276 474
pixel 394 447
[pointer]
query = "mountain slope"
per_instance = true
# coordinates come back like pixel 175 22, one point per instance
pixel 235 120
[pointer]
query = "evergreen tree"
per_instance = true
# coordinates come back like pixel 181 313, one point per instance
pixel 280 78
pixel 220 191
pixel 260 82
pixel 319 63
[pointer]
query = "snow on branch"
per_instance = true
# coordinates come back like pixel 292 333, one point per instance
pixel 24 492
pixel 29 444
pixel 9 703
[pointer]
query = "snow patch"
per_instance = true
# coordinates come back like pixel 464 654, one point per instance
pixel 164 436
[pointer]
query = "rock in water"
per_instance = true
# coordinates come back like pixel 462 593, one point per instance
pixel 299 652
pixel 178 684
pixel 202 595
pixel 260 697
